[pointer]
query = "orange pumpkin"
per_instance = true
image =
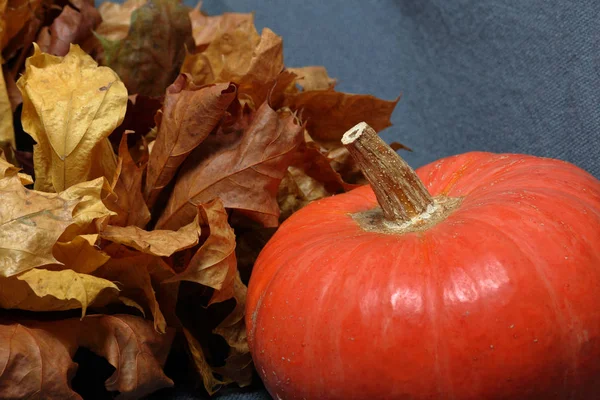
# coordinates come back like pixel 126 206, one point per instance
pixel 489 288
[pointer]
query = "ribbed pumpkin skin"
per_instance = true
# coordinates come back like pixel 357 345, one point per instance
pixel 499 301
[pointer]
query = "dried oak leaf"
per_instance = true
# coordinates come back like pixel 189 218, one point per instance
pixel 188 116
pixel 162 243
pixel 36 357
pixel 127 185
pixel 116 18
pixel 313 78
pixel 81 254
pixel 149 58
pixel 206 29
pixel 244 176
pixel 45 290
pixel 30 223
pixel 329 114
pixel 70 121
pixel 72 26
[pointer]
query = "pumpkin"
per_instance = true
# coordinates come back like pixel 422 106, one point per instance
pixel 478 277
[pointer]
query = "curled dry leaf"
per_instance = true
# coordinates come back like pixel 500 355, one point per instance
pixel 81 254
pixel 30 223
pixel 71 26
pixel 245 176
pixel 161 243
pixel 188 116
pixel 7 170
pixel 297 190
pixel 133 273
pixel 116 18
pixel 149 58
pixel 15 15
pixel 77 117
pixel 7 135
pixel 127 185
pixel 203 368
pixel 36 357
pixel 206 29
pixel 44 290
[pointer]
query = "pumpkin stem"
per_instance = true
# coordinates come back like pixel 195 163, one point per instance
pixel 400 193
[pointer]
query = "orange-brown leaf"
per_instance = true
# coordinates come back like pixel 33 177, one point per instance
pixel 245 176
pixel 127 185
pixel 189 114
pixel 329 114
pixel 206 29
pixel 313 78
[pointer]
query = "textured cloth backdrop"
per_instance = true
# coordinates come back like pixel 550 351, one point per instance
pixel 496 75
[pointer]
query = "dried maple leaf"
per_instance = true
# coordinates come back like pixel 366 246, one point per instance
pixel 30 223
pixel 161 243
pixel 116 18
pixel 70 121
pixel 240 55
pixel 211 383
pixel 329 114
pixel 313 78
pixel 72 26
pixel 149 58
pixel 205 29
pixel 139 120
pixel 127 185
pixel 36 357
pixel 7 135
pixel 81 254
pixel 189 114
pixel 245 176
pixel 15 14
pixel 44 290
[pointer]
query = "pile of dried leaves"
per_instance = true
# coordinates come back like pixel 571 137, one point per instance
pixel 148 153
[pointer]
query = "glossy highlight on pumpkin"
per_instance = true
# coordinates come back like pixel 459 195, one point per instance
pixel 500 300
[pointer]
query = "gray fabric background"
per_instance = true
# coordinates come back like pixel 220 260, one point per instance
pixel 496 75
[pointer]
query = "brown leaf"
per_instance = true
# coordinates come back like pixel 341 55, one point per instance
pixel 206 29
pixel 240 56
pixel 127 185
pixel 161 243
pixel 245 176
pixel 139 119
pixel 80 254
pixel 214 264
pixel 36 357
pixel 149 58
pixel 313 78
pixel 71 26
pixel 133 275
pixel 15 15
pixel 7 134
pixel 136 350
pixel 30 223
pixel 329 114
pixel 189 114
pixel 116 18
pixel 44 290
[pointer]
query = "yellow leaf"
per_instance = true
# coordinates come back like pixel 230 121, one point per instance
pixel 8 170
pixel 7 134
pixel 30 224
pixel 93 195
pixel 157 242
pixel 44 290
pixel 313 78
pixel 80 254
pixel 70 106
